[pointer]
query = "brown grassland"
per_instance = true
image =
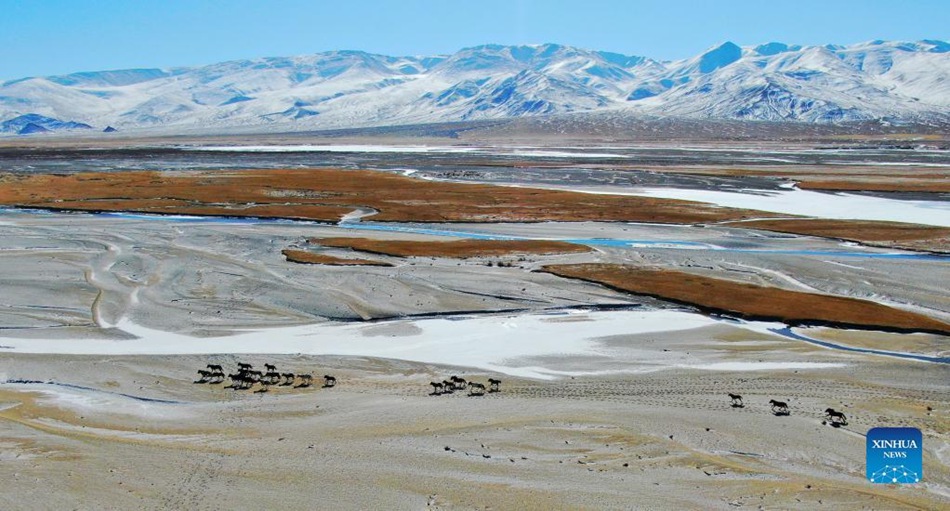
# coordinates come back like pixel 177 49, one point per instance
pixel 454 249
pixel 751 301
pixel 304 257
pixel 888 234
pixel 890 185
pixel 328 194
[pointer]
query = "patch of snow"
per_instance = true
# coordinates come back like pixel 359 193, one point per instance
pixel 496 343
pixel 333 149
pixel 841 206
pixel 558 154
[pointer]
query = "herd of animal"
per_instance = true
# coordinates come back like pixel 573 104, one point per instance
pixel 833 416
pixel 246 377
pixel 456 383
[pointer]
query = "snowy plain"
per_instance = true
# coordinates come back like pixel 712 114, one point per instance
pixel 420 149
pixel 508 344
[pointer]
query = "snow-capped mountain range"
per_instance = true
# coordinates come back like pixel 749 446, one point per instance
pixel 898 81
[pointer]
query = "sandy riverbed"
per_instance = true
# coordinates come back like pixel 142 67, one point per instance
pixel 661 439
pixel 643 387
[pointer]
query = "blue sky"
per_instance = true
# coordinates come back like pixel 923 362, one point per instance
pixel 46 37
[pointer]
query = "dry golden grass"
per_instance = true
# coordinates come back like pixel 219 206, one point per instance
pixel 751 301
pixel 455 249
pixel 891 234
pixel 902 184
pixel 304 257
pixel 328 194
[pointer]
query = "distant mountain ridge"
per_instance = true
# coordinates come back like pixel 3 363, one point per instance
pixel 887 80
pixel 34 123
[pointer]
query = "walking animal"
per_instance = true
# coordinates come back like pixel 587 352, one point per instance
pixel 329 381
pixel 493 385
pixel 836 417
pixel 288 379
pixel 460 383
pixel 306 380
pixel 476 389
pixel 240 381
pixel 736 400
pixel 779 407
pixel 437 387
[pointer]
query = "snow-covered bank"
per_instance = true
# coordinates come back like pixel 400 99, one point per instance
pixel 838 206
pixel 394 149
pixel 842 206
pixel 490 342
pixel 508 344
pixel 355 148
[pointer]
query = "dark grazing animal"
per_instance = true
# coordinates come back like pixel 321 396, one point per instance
pixel 476 389
pixel 835 416
pixel 437 387
pixel 270 367
pixel 460 383
pixel 211 377
pixel 736 400
pixel 244 367
pixel 493 385
pixel 215 368
pixel 329 381
pixel 240 381
pixel 288 378
pixel 447 387
pixel 306 380
pixel 779 407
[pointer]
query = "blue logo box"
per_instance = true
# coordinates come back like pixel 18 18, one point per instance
pixel 895 455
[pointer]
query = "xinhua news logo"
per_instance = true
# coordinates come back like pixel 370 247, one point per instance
pixel 895 456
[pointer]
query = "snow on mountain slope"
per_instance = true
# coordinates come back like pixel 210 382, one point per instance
pixel 815 84
pixel 33 123
pixel 897 81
